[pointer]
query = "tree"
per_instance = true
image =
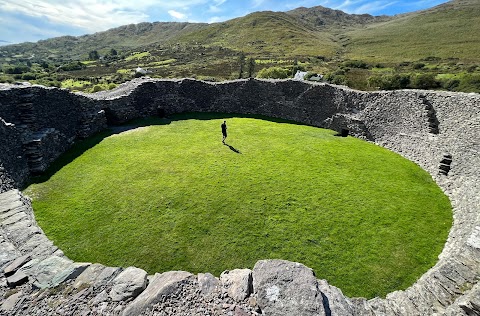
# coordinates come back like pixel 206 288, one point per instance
pixel 113 52
pixel 251 67
pixel 93 55
pixel 241 61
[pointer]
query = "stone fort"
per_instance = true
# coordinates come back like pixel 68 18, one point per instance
pixel 439 131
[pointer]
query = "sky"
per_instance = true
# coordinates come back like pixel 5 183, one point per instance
pixel 33 20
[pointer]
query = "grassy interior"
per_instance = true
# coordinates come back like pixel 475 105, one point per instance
pixel 171 197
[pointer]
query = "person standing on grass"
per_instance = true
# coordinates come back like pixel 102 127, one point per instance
pixel 224 131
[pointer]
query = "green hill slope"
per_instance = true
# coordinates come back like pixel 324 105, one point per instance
pixel 451 30
pixel 429 49
pixel 266 33
pixel 127 37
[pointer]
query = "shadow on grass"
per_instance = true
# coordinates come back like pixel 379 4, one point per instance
pixel 83 145
pixel 233 148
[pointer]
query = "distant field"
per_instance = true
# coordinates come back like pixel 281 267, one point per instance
pixel 170 196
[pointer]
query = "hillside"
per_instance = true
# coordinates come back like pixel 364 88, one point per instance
pixel 266 34
pixel 127 37
pixel 324 18
pixel 430 49
pixel 450 30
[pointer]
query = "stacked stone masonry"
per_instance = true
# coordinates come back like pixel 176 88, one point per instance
pixel 37 124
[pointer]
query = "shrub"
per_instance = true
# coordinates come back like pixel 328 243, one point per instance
pixel 390 82
pixel 336 79
pixel 355 64
pixel 451 84
pixel 274 73
pixel 73 66
pixel 470 83
pixel 16 69
pixel 472 68
pixel 424 81
pixel 418 66
pixel 97 88
pixel 29 76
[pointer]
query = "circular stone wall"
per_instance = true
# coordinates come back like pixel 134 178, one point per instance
pixel 439 131
pixel 275 190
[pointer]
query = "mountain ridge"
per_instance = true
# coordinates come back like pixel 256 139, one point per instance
pixel 432 48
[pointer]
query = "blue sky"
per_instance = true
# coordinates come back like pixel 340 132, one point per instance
pixel 33 20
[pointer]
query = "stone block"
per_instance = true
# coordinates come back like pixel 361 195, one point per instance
pixel 128 284
pixel 18 217
pixel 164 284
pixel 208 283
pixel 15 265
pixel 334 301
pixel 237 283
pixel 17 279
pixel 9 304
pixel 286 288
pixel 88 277
pixel 10 205
pixel 8 253
pixel 53 270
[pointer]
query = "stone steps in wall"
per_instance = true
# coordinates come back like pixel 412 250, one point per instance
pixel 433 124
pixel 33 146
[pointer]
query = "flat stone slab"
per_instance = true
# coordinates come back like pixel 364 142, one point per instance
pixel 17 279
pixel 128 284
pixel 11 301
pixel 53 270
pixel 15 265
pixel 286 288
pixel 20 216
pixel 88 277
pixel 8 252
pixel 161 285
pixel 9 194
pixel 10 205
pixel 12 212
pixel 38 245
pixel 237 283
pixel 21 231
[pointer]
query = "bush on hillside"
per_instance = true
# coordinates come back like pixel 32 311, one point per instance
pixel 418 66
pixel 389 82
pixel 470 83
pixel 16 69
pixel 274 73
pixel 424 81
pixel 73 66
pixel 355 64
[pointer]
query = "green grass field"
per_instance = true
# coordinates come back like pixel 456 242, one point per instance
pixel 171 197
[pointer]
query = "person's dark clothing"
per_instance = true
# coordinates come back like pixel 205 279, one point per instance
pixel 224 131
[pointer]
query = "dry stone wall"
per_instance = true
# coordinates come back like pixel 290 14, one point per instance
pixel 439 131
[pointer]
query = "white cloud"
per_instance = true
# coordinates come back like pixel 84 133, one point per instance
pixel 95 15
pixel 215 7
pixel 373 7
pixel 257 3
pixel 177 15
